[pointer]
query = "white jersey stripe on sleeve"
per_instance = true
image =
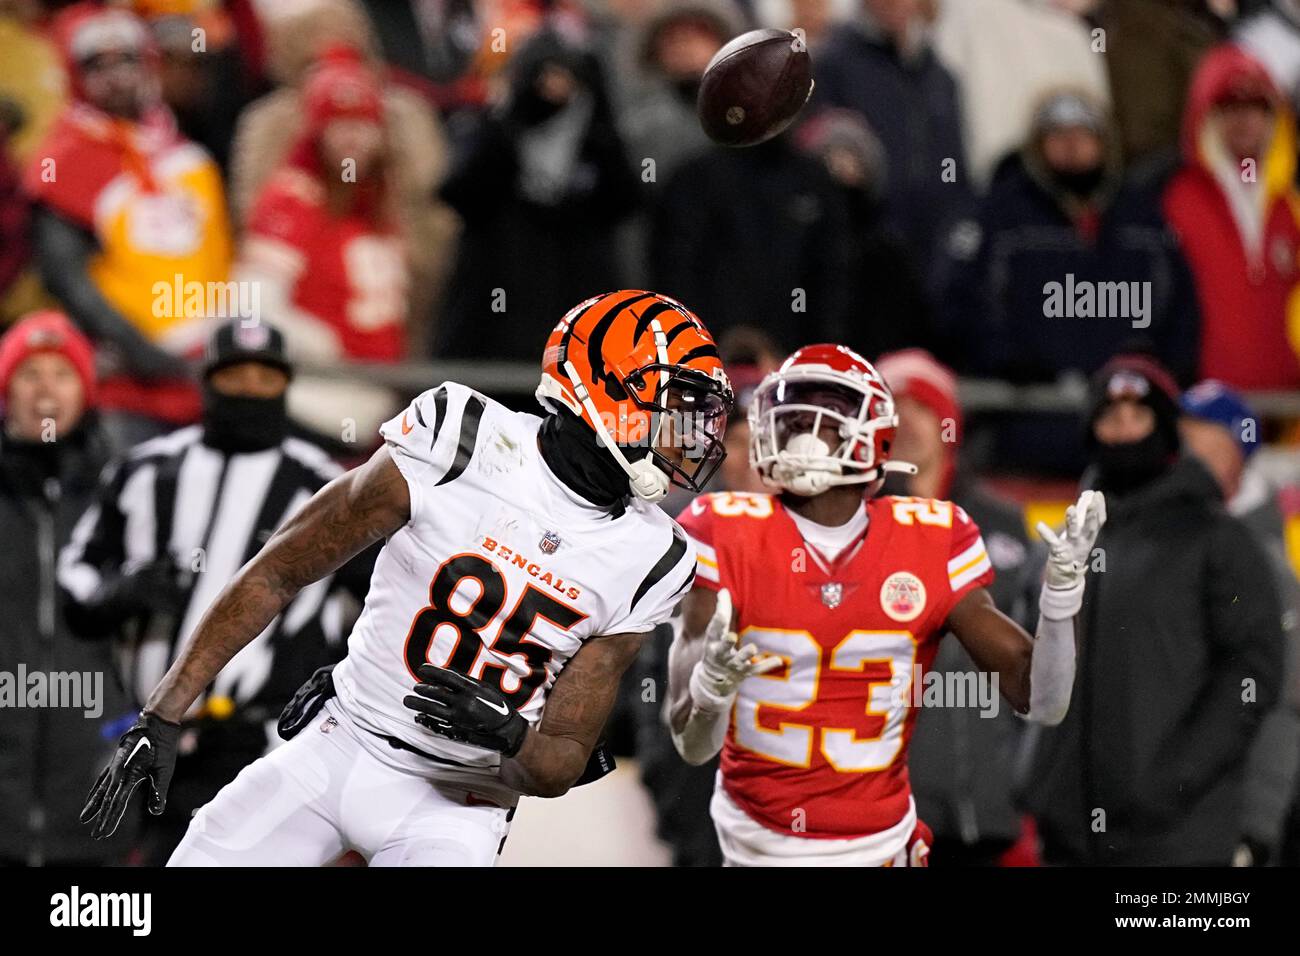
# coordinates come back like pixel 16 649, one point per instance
pixel 971 554
pixel 706 560
pixel 961 579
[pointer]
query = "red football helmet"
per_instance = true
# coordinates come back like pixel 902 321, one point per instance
pixel 817 389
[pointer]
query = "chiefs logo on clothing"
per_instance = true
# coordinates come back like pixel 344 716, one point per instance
pixel 818 748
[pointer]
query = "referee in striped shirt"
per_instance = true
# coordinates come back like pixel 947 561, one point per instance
pixel 174 522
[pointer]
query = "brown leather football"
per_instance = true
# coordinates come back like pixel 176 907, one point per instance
pixel 754 87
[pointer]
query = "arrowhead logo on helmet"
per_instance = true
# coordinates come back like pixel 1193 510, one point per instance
pixel 824 418
pixel 643 372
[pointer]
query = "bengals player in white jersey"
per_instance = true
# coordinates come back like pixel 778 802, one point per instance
pixel 525 559
pixel 840 600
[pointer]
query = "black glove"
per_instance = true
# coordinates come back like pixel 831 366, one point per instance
pixel 153 588
pixel 466 711
pixel 306 702
pixel 146 751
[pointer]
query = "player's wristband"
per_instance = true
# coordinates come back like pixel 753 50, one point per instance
pixel 1060 604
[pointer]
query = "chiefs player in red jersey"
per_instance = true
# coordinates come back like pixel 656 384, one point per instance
pixel 840 600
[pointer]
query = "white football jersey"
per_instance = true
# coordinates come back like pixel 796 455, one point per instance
pixel 502 572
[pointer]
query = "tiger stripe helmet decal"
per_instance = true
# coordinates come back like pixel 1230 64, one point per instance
pixel 634 365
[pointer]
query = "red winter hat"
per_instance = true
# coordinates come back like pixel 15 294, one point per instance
pixel 83 30
pixel 47 331
pixel 341 86
pixel 918 375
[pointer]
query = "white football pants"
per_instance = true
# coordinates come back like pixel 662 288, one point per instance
pixel 330 789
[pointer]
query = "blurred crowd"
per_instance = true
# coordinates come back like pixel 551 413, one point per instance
pixel 205 205
pixel 387 181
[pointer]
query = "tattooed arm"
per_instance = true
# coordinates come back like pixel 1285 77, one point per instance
pixel 350 513
pixel 555 753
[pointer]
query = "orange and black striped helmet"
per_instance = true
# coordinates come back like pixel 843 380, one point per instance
pixel 643 372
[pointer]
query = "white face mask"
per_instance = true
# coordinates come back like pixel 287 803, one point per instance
pixel 806 481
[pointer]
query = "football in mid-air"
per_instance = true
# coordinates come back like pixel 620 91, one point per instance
pixel 754 87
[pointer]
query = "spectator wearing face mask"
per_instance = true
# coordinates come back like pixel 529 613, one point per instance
pixel 1180 651
pixel 51 449
pixel 1233 205
pixel 174 520
pixel 1061 207
pixel 1067 262
pixel 657 101
pixel 1222 432
pixel 541 186
pixel 129 219
pixel 879 268
pixel 1005 55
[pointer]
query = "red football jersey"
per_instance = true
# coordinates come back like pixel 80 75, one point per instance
pixel 350 274
pixel 818 748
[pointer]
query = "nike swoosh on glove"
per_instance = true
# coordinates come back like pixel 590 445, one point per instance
pixel 718 674
pixel 457 708
pixel 145 752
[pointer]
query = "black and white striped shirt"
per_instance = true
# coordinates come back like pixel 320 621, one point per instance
pixel 211 511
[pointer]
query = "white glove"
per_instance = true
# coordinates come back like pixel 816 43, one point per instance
pixel 718 674
pixel 1068 555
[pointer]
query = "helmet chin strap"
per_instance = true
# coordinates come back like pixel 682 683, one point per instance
pixel 645 480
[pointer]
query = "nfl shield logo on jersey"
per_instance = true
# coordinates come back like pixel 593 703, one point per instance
pixel 832 594
pixel 550 543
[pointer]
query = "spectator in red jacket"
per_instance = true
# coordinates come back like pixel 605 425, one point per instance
pixel 15 212
pixel 326 250
pixel 322 239
pixel 1233 206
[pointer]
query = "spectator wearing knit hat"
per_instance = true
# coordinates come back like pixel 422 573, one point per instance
pixel 322 238
pixel 1221 430
pixel 1061 211
pixel 296 36
pixel 125 209
pixel 962 762
pixel 51 453
pixel 324 246
pixel 1067 262
pixel 1180 650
